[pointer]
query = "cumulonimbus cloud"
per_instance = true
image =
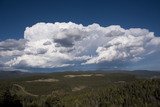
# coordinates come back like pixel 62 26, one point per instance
pixel 66 44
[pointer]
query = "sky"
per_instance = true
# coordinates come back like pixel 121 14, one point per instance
pixel 80 34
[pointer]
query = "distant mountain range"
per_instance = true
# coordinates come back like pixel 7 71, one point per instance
pixel 13 74
pixel 17 74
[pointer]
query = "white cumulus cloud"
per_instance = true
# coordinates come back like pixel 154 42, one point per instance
pixel 66 44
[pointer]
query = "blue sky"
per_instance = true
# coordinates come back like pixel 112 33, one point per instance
pixel 126 31
pixel 16 15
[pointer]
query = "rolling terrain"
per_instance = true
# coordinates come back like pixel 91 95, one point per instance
pixel 77 89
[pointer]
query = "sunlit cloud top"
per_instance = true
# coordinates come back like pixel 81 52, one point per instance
pixel 50 45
